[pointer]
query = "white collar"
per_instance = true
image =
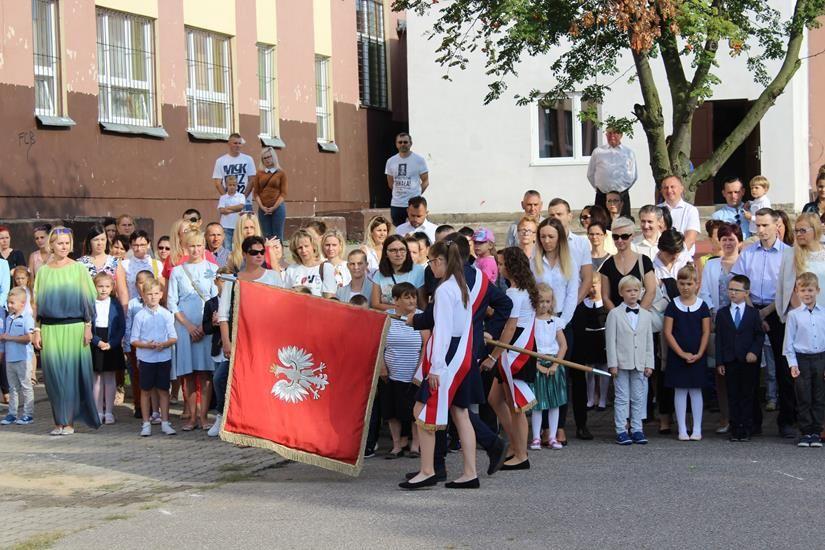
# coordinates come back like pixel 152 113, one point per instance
pixel 816 307
pixel 271 170
pixel 688 309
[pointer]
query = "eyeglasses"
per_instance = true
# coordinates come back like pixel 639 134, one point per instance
pixel 256 252
pixel 801 230
pixel 585 217
pixel 736 290
pixel 164 248
pixel 623 236
pixel 525 231
pixel 193 219
pixel 268 157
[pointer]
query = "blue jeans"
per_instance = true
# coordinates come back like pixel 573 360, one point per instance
pixel 272 225
pixel 219 378
pixel 227 240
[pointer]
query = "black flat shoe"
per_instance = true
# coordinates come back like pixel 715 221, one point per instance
pixel 497 457
pixel 393 456
pixel 423 484
pixel 471 484
pixel 524 465
pixel 439 476
pixel 584 434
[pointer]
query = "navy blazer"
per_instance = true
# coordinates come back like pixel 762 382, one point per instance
pixel 117 324
pixel 494 298
pixel 734 344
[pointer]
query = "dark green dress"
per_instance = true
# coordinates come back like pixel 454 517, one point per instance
pixel 65 300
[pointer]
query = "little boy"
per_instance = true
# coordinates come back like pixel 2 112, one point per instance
pixel 16 341
pixel 134 305
pixel 804 348
pixel 153 333
pixel 629 343
pixel 739 340
pixel 229 205
pixel 759 186
pixel 402 352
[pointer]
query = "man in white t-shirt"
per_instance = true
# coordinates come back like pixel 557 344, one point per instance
pixel 417 219
pixel 684 215
pixel 407 177
pixel 579 246
pixel 532 205
pixel 237 164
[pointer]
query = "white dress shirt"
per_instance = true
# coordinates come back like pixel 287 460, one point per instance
pixel 804 332
pixel 632 318
pixel 579 250
pixel 685 217
pixel 565 291
pixel 427 227
pixel 733 308
pixel 612 168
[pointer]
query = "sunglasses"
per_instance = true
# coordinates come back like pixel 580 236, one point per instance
pixel 63 231
pixel 585 217
pixel 164 248
pixel 193 219
pixel 256 252
pixel 623 236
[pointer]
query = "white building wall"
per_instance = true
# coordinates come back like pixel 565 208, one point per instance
pixel 480 156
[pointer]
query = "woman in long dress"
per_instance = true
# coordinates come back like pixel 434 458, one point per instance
pixel 63 303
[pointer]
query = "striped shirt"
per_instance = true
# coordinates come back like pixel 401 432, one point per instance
pixel 402 350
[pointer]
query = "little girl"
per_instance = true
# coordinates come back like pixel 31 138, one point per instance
pixel 686 331
pixel 550 386
pixel 109 327
pixel 595 316
pixel 484 246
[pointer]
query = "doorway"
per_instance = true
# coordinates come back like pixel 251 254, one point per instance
pixel 713 121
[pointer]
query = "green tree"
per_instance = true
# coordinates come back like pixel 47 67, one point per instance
pixel 684 35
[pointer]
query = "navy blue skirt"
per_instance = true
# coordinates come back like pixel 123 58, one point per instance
pixel 528 371
pixel 465 393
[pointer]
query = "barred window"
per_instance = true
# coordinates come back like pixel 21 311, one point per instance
pixel 47 90
pixel 209 84
pixel 266 91
pixel 125 69
pixel 323 105
pixel 372 53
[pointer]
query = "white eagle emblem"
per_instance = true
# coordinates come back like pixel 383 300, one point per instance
pixel 301 377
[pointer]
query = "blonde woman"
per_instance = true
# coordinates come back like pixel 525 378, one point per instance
pixel 333 247
pixel 270 194
pixel 806 254
pixel 378 229
pixel 246 226
pixel 306 271
pixel 63 302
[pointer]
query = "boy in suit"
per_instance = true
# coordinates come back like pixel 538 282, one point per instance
pixel 805 350
pixel 629 342
pixel 739 339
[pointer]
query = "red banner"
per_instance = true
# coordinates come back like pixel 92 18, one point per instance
pixel 302 377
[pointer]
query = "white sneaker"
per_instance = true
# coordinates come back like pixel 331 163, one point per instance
pixel 167 428
pixel 215 430
pixel 155 418
pixel 146 430
pixel 108 418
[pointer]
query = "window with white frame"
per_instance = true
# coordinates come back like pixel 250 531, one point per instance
pixel 266 91
pixel 559 135
pixel 208 82
pixel 323 99
pixel 47 91
pixel 372 53
pixel 125 69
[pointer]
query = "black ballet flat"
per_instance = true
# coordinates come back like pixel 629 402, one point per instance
pixel 439 476
pixel 470 484
pixel 524 465
pixel 393 456
pixel 423 484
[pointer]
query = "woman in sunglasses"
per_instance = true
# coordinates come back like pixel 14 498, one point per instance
pixel 626 262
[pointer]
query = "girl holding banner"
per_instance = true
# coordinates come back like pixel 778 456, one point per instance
pixel 511 395
pixel 447 360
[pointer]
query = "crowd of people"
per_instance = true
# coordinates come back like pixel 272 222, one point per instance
pixel 674 330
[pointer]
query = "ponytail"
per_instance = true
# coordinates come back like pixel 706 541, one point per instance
pixel 454 265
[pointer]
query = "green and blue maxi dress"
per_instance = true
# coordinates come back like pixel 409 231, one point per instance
pixel 65 301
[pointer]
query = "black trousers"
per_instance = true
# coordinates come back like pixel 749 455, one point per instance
pixel 810 392
pixel 784 382
pixel 663 394
pixel 741 380
pixel 578 394
pixel 601 200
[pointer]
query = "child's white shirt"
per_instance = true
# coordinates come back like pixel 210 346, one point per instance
pixel 228 221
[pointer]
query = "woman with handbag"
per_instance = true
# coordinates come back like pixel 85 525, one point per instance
pixel 626 262
pixel 191 285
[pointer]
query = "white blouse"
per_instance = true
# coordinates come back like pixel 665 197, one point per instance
pixel 565 291
pixel 102 312
pixel 522 308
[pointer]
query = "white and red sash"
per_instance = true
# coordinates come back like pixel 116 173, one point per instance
pixel 511 362
pixel 436 410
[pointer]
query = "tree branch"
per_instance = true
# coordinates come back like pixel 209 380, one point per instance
pixel 650 115
pixel 765 101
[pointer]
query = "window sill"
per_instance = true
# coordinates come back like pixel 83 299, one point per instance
pixel 207 136
pixel 56 121
pixel 327 147
pixel 134 129
pixel 275 142
pixel 567 161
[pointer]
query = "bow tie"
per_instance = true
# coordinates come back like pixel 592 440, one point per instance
pixel 631 310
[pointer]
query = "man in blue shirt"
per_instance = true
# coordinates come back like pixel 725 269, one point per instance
pixel 760 263
pixel 733 210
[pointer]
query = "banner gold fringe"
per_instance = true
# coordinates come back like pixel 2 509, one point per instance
pixel 288 452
